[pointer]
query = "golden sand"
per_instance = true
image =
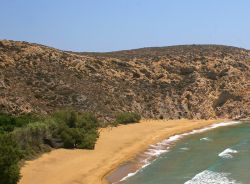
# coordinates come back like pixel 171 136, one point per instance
pixel 114 147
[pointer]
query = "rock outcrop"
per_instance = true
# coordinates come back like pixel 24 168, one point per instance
pixel 195 81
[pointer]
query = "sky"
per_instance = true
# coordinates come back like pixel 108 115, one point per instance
pixel 109 25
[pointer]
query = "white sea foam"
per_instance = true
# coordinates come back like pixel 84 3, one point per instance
pixel 173 138
pixel 207 176
pixel 184 148
pixel 155 152
pixel 129 175
pixel 227 153
pixel 164 146
pixel 222 124
pixel 205 139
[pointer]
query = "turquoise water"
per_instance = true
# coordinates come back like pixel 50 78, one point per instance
pixel 217 156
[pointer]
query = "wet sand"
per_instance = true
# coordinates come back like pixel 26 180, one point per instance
pixel 114 147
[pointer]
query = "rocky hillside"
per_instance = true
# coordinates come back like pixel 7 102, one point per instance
pixel 196 81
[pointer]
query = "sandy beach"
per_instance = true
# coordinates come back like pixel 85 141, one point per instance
pixel 114 147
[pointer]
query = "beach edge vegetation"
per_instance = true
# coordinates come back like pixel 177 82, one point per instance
pixel 26 136
pixel 127 118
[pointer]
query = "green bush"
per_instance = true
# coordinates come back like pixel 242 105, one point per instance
pixel 28 136
pixel 72 119
pixel 10 155
pixel 87 121
pixel 77 130
pixel 66 117
pixel 89 140
pixel 8 123
pixel 79 138
pixel 31 139
pixel 68 139
pixel 128 117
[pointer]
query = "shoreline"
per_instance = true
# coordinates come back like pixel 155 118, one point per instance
pixel 115 147
pixel 148 156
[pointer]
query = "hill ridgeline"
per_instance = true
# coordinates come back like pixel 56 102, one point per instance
pixel 192 81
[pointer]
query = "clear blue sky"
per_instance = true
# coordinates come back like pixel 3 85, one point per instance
pixel 105 25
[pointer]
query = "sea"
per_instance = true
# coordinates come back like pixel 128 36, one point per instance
pixel 218 154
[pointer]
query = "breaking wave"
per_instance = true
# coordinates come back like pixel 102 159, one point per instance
pixel 164 146
pixel 227 153
pixel 207 176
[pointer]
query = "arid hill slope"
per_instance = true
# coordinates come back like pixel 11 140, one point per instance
pixel 196 81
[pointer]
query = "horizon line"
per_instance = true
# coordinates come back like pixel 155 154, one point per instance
pixel 122 50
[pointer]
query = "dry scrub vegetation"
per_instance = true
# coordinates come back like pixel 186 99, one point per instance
pixel 195 81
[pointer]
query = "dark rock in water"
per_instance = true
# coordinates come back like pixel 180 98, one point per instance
pixel 196 81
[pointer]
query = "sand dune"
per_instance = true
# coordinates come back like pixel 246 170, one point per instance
pixel 114 146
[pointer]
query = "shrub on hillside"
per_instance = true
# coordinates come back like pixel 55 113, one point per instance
pixel 8 123
pixel 128 117
pixel 9 158
pixel 67 117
